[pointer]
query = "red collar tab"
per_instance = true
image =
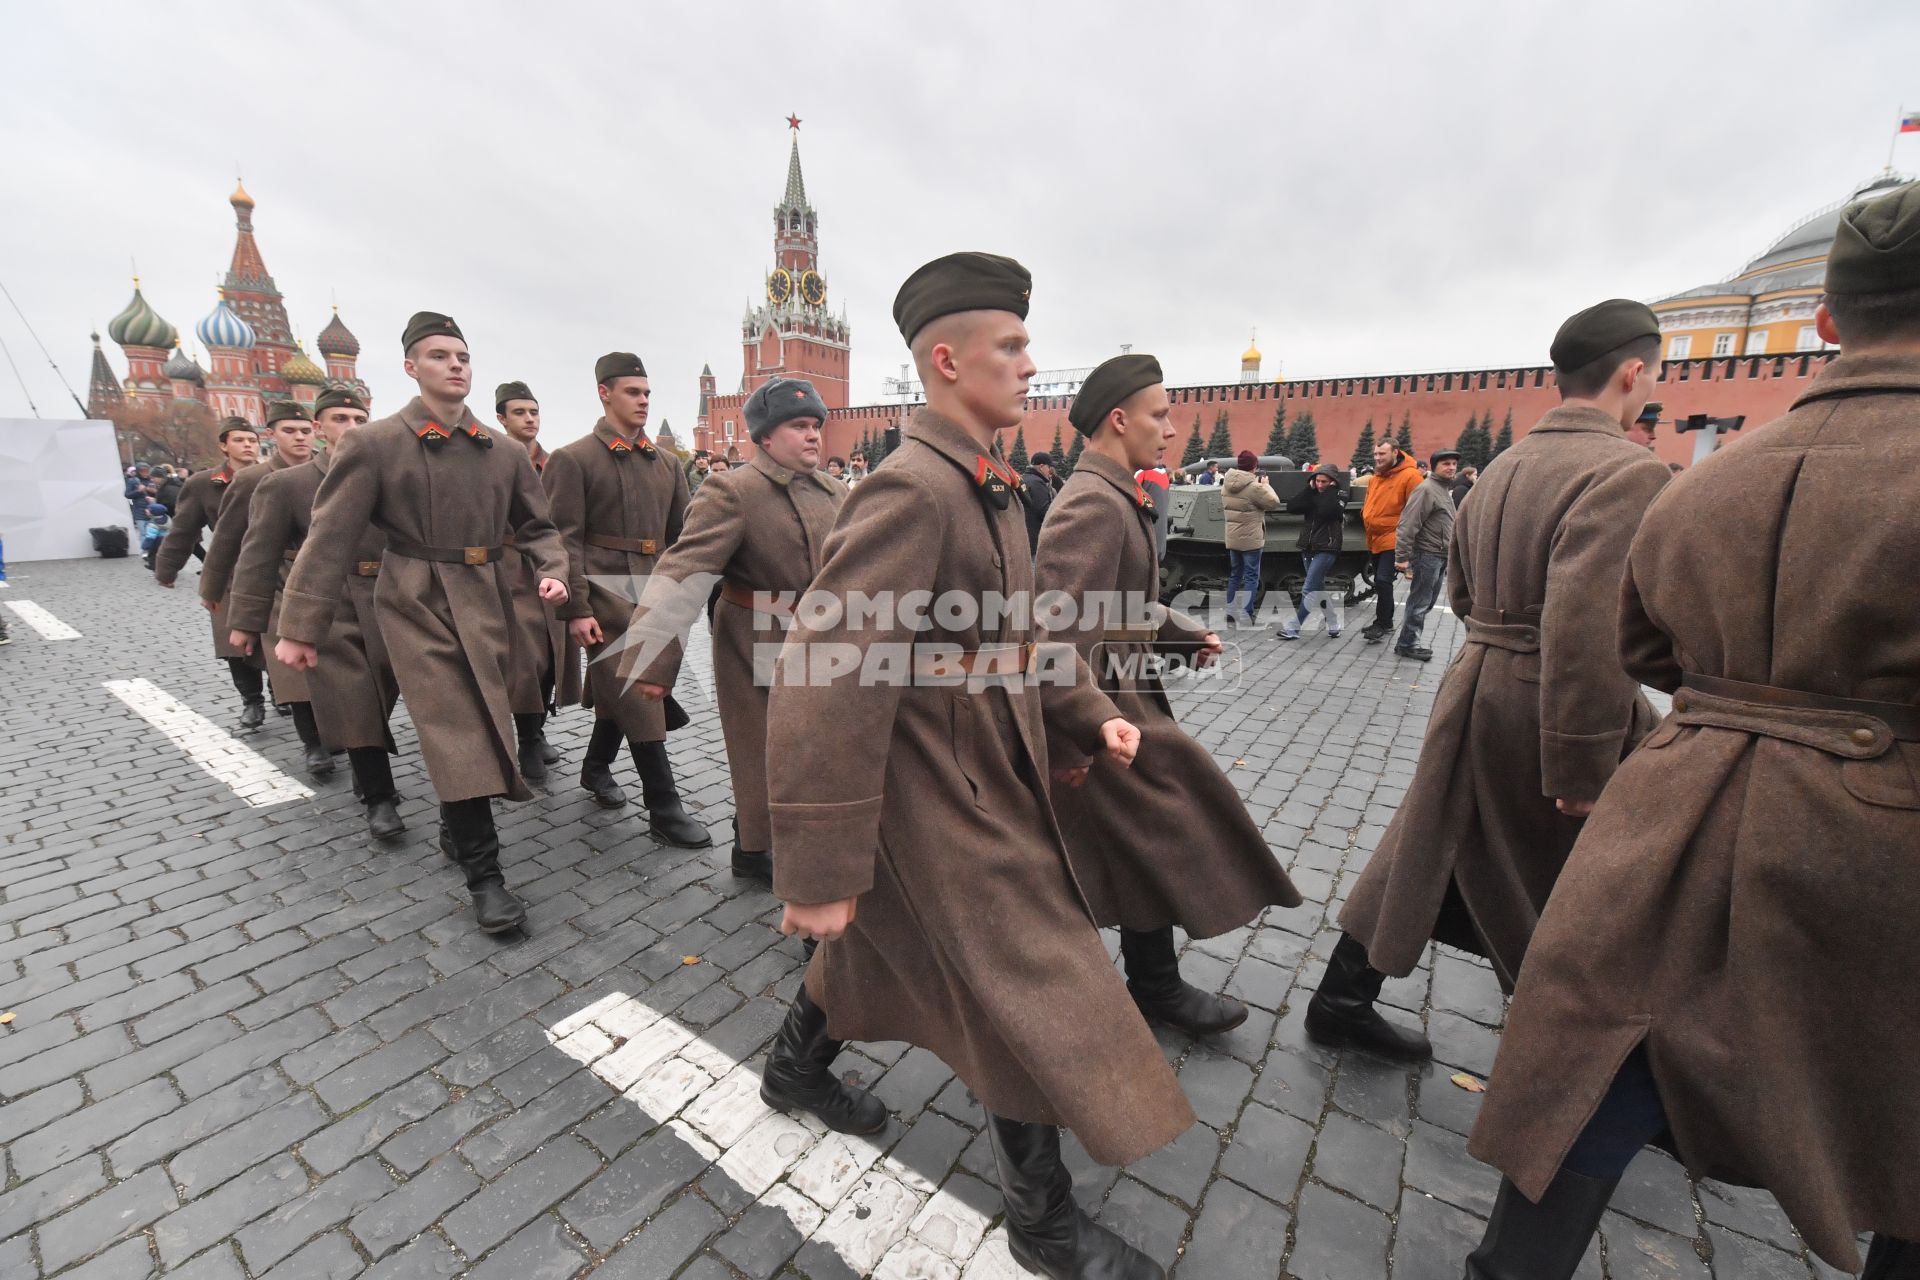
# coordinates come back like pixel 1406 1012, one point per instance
pixel 1142 497
pixel 433 432
pixel 619 447
pixel 996 483
pixel 224 475
pixel 983 466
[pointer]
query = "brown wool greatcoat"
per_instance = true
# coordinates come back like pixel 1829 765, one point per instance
pixel 1168 841
pixel 353 688
pixel 217 577
pixel 448 625
pixel 1533 707
pixel 601 491
pixel 761 528
pixel 929 804
pixel 543 636
pixel 197 509
pixel 1745 897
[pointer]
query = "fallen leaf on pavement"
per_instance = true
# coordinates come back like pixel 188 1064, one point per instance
pixel 6 1017
pixel 1468 1083
pixel 689 959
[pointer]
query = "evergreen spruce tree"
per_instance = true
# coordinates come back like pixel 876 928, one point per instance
pixel 1304 445
pixel 1404 438
pixel 1220 443
pixel 1362 449
pixel 1073 455
pixel 1503 441
pixel 1057 450
pixel 1279 437
pixel 1194 449
pixel 1464 442
pixel 1018 458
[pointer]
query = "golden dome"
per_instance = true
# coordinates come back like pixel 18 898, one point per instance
pixel 302 369
pixel 1251 356
pixel 240 199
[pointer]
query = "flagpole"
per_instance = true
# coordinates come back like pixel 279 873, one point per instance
pixel 1893 142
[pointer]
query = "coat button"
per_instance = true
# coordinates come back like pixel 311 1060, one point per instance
pixel 1865 737
pixel 996 559
pixel 1681 702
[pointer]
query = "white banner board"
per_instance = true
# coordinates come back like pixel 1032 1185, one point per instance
pixel 58 479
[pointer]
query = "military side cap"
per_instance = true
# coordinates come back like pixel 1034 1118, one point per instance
pixel 229 425
pixel 429 324
pixel 281 410
pixel 1108 387
pixel 1651 414
pixel 782 400
pixel 961 282
pixel 511 391
pixel 1603 327
pixel 1877 246
pixel 338 398
pixel 618 364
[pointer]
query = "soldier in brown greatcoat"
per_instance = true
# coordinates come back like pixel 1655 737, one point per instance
pixel 1168 841
pixel 442 488
pixel 198 509
pixel 290 428
pixel 352 687
pixel 759 532
pixel 1730 952
pixel 543 636
pixel 618 501
pixel 927 805
pixel 1534 715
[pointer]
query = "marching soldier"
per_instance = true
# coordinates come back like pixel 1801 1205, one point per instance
pixel 760 531
pixel 352 687
pixel 1729 954
pixel 1168 841
pixel 197 510
pixel 618 501
pixel 1535 714
pixel 431 478
pixel 291 430
pixel 543 636
pixel 929 810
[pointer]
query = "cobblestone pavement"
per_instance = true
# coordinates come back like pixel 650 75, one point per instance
pixel 246 1042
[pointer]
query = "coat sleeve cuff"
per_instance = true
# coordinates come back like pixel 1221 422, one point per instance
pixel 1577 766
pixel 1179 631
pixel 247 612
pixel 304 618
pixel 826 850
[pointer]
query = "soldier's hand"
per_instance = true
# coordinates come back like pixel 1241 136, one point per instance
pixel 1573 808
pixel 553 591
pixel 296 654
pixel 651 692
pixel 1069 777
pixel 584 630
pixel 1121 741
pixel 241 640
pixel 211 606
pixel 1211 647
pixel 825 921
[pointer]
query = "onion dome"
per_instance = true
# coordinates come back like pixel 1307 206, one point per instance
pixel 302 370
pixel 223 327
pixel 240 199
pixel 183 368
pixel 1251 355
pixel 140 326
pixel 336 339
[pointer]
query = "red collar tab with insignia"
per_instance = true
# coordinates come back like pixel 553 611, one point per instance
pixel 433 434
pixel 224 475
pixel 996 482
pixel 1141 497
pixel 620 448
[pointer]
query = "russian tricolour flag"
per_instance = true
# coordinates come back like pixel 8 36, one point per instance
pixel 1910 122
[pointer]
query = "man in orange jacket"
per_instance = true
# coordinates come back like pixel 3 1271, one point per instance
pixel 1394 479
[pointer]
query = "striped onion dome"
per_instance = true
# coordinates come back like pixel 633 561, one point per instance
pixel 302 370
pixel 184 368
pixel 336 339
pixel 139 325
pixel 223 327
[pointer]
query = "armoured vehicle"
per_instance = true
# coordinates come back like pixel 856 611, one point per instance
pixel 1196 554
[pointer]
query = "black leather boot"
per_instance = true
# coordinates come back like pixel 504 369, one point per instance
pixel 1545 1241
pixel 1891 1258
pixel 253 714
pixel 469 834
pixel 596 769
pixel 667 818
pixel 373 783
pixel 1341 1014
pixel 749 865
pixel 526 727
pixel 1047 1233
pixel 319 759
pixel 248 682
pixel 549 754
pixel 1154 982
pixel 799 1075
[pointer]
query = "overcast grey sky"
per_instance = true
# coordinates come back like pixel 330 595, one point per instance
pixel 1377 187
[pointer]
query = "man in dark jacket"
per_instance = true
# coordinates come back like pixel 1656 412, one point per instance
pixel 1037 490
pixel 1324 504
pixel 168 494
pixel 1420 548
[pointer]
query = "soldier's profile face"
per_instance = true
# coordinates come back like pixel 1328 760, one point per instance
pixel 293 439
pixel 242 447
pixel 993 368
pixel 335 423
pixel 626 401
pixel 521 418
pixel 442 367
pixel 1148 414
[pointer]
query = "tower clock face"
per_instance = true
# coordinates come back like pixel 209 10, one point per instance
pixel 779 286
pixel 813 288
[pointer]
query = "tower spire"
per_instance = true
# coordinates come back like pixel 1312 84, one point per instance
pixel 796 194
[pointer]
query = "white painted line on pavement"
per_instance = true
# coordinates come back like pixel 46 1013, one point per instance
pixel 49 627
pixel 251 776
pixel 883 1218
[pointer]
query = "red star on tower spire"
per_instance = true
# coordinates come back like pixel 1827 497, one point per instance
pixel 793 122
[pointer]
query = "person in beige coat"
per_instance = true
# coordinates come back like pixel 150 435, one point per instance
pixel 1245 499
pixel 543 636
pixel 442 488
pixel 352 689
pixel 1730 952
pixel 1535 714
pixel 618 501
pixel 907 769
pixel 1167 841
pixel 290 428
pixel 758 532
pixel 197 510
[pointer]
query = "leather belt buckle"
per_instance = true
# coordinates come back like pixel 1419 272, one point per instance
pixel 648 547
pixel 367 568
pixel 474 555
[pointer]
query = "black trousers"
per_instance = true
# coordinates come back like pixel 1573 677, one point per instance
pixel 248 679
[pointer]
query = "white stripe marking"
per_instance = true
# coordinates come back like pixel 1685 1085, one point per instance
pixel 49 627
pixel 251 776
